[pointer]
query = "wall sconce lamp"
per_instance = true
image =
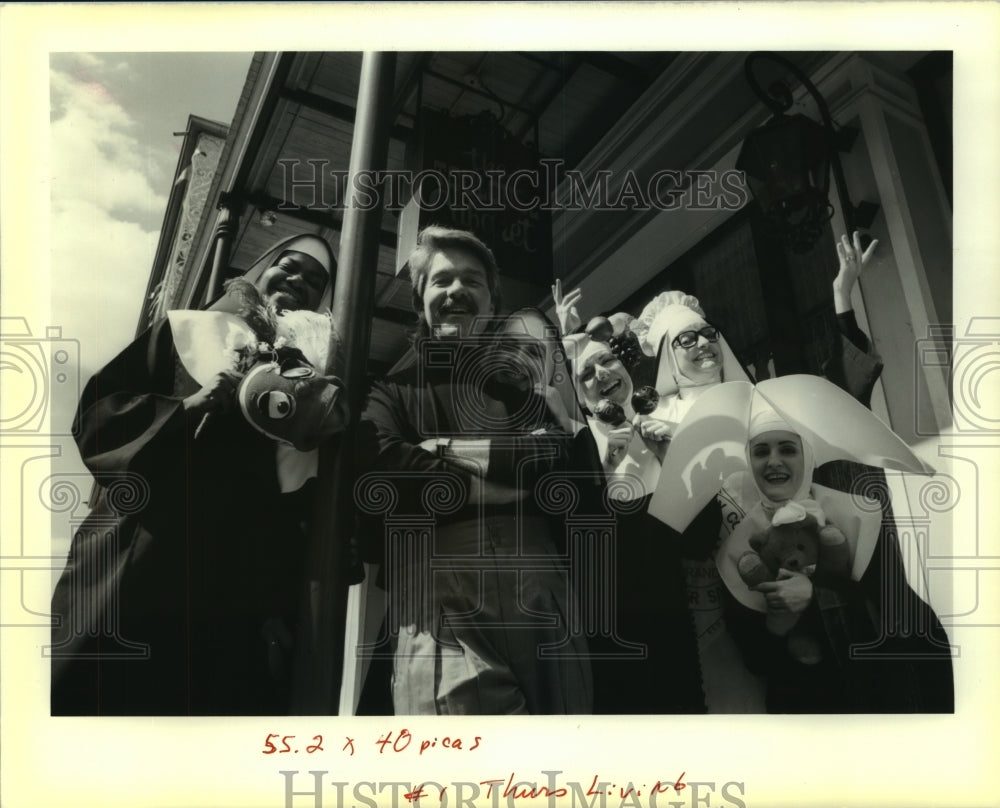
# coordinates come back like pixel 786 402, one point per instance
pixel 788 162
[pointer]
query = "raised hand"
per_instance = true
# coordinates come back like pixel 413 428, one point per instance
pixel 566 311
pixel 852 261
pixel 217 396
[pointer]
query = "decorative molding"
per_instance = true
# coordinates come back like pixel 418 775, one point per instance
pixel 199 176
pixel 663 112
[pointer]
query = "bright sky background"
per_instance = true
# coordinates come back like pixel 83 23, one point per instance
pixel 113 158
pixel 114 153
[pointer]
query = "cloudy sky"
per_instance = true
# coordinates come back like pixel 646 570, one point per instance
pixel 114 153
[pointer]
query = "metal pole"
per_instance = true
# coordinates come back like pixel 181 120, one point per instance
pixel 225 229
pixel 320 662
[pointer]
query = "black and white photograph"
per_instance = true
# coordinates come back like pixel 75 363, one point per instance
pixel 528 417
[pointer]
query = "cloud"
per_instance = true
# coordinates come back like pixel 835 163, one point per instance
pixel 96 156
pixel 100 269
pixel 106 209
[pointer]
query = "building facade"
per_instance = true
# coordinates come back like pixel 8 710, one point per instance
pixel 613 172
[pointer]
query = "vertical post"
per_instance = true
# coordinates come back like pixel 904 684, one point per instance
pixel 225 229
pixel 319 660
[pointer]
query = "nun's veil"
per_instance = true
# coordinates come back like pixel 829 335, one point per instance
pixel 196 334
pixel 668 322
pixel 763 419
pixel 312 245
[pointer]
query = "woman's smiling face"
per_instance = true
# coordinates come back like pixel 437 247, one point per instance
pixel 778 464
pixel 702 362
pixel 602 376
pixel 296 281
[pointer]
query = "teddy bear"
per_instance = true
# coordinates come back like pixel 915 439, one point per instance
pixel 799 546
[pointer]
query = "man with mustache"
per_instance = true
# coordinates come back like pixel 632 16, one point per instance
pixel 472 610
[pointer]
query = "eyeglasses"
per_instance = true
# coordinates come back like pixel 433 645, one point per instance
pixel 688 339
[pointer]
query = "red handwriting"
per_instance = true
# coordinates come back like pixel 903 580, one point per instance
pixel 286 744
pixel 417 793
pixel 515 787
pixel 403 738
pixel 629 790
pixel 597 787
pixel 523 791
pixel 401 742
pixel 393 741
pixel 679 785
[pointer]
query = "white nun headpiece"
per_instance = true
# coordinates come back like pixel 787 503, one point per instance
pixel 710 444
pixel 308 243
pixel 669 314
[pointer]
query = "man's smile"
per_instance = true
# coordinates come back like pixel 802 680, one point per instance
pixel 457 307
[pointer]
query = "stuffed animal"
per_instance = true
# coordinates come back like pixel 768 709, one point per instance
pixel 288 390
pixel 285 398
pixel 799 546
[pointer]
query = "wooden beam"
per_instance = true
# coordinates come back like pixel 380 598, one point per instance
pixel 333 218
pixel 337 109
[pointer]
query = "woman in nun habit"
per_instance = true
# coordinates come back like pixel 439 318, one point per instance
pixel 869 650
pixel 180 597
pixel 691 662
pixel 655 660
pixel 838 632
